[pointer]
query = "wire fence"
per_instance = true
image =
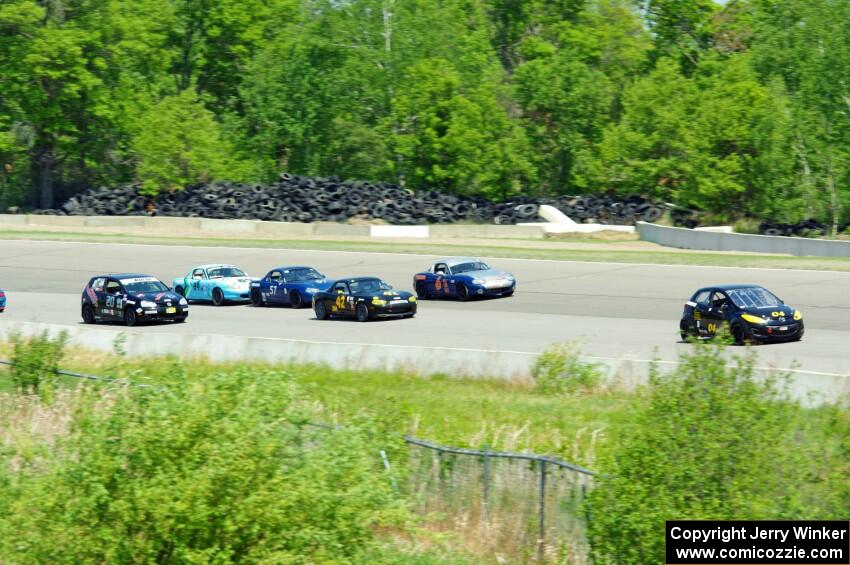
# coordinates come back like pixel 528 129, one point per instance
pixel 508 499
pixel 514 501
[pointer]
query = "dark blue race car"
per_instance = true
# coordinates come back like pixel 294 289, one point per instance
pixel 289 285
pixel 751 313
pixel 2 300
pixel 462 278
pixel 131 298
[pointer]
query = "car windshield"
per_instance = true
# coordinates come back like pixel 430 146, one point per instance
pixel 471 266
pixel 298 275
pixel 221 272
pixel 368 285
pixel 756 297
pixel 143 284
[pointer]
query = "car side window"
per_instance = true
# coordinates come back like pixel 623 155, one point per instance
pixel 340 288
pixel 702 298
pixel 97 285
pixel 441 269
pixel 198 274
pixel 719 300
pixel 113 287
pixel 275 276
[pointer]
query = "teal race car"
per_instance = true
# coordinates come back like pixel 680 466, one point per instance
pixel 215 283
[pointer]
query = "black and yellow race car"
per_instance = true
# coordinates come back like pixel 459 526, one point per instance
pixel 363 298
pixel 751 313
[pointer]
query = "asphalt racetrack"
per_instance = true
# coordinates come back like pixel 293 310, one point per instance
pixel 618 310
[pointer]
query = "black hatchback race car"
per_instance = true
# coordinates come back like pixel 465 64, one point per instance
pixel 131 298
pixel 750 312
pixel 363 298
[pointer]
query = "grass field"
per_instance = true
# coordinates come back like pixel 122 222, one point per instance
pixel 577 248
pixel 510 416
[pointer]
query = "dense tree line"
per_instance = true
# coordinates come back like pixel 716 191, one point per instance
pixel 734 108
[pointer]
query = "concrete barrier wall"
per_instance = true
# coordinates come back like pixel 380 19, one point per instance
pixel 684 238
pixel 163 224
pixel 812 388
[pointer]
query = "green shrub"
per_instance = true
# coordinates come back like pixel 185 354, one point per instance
pixel 559 369
pixel 705 442
pixel 217 469
pixel 746 225
pixel 36 359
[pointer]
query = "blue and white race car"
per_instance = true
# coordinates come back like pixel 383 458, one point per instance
pixel 289 285
pixel 462 278
pixel 2 300
pixel 214 283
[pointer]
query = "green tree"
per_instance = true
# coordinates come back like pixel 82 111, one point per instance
pixel 706 442
pixel 73 71
pixel 569 85
pixel 458 140
pixel 178 142
pixel 805 45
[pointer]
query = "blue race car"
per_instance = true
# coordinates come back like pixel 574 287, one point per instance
pixel 462 278
pixel 215 283
pixel 289 285
pixel 2 300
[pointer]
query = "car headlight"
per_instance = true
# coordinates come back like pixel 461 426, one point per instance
pixel 412 299
pixel 378 301
pixel 184 302
pixel 147 304
pixel 477 281
pixel 312 290
pixel 798 315
pixel 753 319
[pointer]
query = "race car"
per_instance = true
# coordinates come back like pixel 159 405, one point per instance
pixel 462 278
pixel 289 285
pixel 363 298
pixel 750 312
pixel 2 301
pixel 215 283
pixel 131 298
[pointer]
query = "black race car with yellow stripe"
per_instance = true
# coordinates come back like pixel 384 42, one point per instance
pixel 363 298
pixel 750 312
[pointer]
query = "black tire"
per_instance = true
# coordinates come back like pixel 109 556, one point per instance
pixel 684 331
pixel 256 298
pixel 179 290
pixel 295 299
pixel 652 213
pixel 421 291
pixel 321 310
pixel 88 314
pixel 130 319
pixel 217 297
pixel 739 334
pixel 362 312
pixel 462 292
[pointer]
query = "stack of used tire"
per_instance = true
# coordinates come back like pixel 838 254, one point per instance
pixel 296 198
pixel 803 228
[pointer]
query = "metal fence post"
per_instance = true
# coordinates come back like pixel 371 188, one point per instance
pixel 486 479
pixel 542 534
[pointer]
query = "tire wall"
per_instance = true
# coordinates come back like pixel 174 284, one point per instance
pixel 294 198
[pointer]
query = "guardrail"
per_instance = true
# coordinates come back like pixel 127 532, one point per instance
pixel 685 238
pixel 268 229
